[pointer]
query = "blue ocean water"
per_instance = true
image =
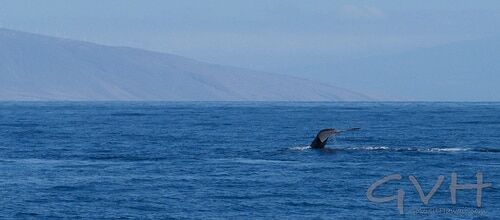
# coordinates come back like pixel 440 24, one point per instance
pixel 243 160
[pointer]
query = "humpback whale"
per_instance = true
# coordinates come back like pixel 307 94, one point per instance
pixel 323 135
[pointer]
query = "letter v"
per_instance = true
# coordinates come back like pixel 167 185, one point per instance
pixel 425 199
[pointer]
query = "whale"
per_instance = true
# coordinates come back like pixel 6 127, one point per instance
pixel 322 137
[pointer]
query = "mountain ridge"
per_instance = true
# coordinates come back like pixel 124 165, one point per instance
pixel 42 68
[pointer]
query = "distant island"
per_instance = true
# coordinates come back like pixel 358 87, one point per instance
pixel 41 68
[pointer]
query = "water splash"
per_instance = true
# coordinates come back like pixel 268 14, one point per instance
pixel 404 149
pixel 300 148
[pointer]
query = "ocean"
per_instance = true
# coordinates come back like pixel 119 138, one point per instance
pixel 246 160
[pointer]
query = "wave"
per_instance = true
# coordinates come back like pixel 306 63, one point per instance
pixel 409 149
pixel 300 148
pixel 405 149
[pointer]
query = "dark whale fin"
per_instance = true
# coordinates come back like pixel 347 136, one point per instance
pixel 323 135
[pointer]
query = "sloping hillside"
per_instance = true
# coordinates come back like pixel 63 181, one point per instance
pixel 35 67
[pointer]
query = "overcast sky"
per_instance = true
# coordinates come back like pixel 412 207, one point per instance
pixel 276 36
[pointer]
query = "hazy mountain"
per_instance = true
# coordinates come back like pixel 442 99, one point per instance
pixel 35 67
pixel 460 71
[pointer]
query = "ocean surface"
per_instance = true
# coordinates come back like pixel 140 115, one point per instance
pixel 233 160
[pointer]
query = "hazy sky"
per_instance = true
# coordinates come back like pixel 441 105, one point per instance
pixel 287 37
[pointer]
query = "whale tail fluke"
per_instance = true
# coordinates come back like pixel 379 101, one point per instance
pixel 323 135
